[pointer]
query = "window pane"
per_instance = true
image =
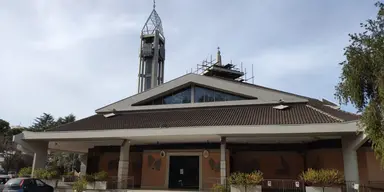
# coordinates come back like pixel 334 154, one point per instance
pixel 208 95
pixel 220 96
pixel 179 97
pixel 199 95
pixel 39 183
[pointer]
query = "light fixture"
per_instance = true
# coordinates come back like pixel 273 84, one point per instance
pixel 281 107
pixel 109 115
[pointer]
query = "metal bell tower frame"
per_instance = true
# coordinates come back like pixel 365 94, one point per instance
pixel 152 53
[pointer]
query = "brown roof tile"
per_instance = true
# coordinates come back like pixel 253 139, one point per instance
pixel 207 116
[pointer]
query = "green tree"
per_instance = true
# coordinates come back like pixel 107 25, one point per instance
pixel 12 157
pixel 362 79
pixel 65 161
pixel 44 122
pixel 4 126
pixel 67 119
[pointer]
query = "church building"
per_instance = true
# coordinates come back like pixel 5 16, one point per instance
pixel 193 131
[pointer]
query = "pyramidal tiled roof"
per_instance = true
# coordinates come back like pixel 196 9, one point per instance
pixel 296 113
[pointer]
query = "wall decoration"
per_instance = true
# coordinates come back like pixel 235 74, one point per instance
pixel 205 154
pixel 215 166
pixel 162 153
pixel 284 169
pixel 153 163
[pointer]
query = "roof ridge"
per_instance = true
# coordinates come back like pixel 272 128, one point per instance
pixel 344 111
pixel 327 114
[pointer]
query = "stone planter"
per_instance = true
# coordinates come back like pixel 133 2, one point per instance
pixel 249 188
pixel 321 189
pixel 97 185
pixel 51 182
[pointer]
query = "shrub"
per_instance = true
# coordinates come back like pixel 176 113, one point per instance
pixel 254 178
pixel 236 178
pixel 245 179
pixel 322 177
pixel 219 188
pixel 71 173
pixel 80 185
pixel 99 176
pixel 45 174
pixel 25 172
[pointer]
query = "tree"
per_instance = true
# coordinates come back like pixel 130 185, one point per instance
pixel 4 126
pixel 44 122
pixel 362 79
pixel 65 161
pixel 12 157
pixel 67 119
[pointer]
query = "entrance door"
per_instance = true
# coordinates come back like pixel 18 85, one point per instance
pixel 184 172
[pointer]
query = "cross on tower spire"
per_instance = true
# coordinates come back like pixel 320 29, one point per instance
pixel 154 4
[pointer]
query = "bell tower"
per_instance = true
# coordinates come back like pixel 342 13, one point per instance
pixel 152 53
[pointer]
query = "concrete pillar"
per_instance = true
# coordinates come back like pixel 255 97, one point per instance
pixel 83 165
pixel 40 154
pixel 122 172
pixel 351 168
pixel 223 170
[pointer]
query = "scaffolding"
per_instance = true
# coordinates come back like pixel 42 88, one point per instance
pixel 214 67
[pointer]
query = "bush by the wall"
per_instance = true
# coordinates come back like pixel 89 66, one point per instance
pixel 322 177
pixel 219 188
pixel 244 179
pixel 99 176
pixel 80 185
pixel 25 172
pixel 45 174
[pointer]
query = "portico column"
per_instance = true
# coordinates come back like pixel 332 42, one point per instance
pixel 223 170
pixel 40 153
pixel 351 169
pixel 122 172
pixel 83 165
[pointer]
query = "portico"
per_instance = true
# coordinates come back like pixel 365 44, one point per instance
pixel 221 150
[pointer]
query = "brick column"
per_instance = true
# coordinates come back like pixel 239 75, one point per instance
pixel 122 172
pixel 223 169
pixel 40 153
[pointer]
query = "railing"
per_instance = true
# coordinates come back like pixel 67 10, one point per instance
pixel 209 183
pixel 282 185
pixel 370 186
pixel 124 183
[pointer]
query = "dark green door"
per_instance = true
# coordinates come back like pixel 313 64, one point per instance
pixel 184 172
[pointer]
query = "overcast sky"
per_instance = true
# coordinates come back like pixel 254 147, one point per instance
pixel 71 56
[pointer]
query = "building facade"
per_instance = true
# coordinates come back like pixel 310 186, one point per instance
pixel 195 130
